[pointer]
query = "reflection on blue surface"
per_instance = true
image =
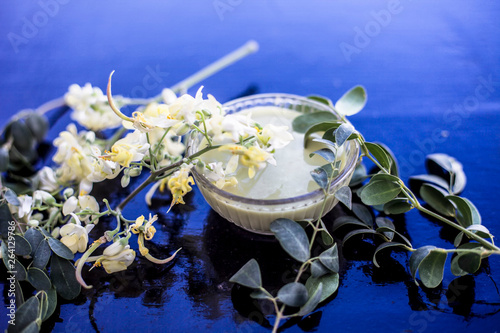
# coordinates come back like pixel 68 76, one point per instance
pixel 432 74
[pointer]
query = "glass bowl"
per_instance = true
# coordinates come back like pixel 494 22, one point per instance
pixel 256 215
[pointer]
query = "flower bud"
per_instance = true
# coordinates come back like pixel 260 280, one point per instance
pixel 125 180
pixel 55 232
pixel 33 223
pixel 134 172
pixel 181 128
pixel 68 192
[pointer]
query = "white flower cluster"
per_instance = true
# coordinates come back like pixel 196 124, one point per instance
pixel 90 107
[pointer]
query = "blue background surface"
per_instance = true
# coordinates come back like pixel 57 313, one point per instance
pixel 432 72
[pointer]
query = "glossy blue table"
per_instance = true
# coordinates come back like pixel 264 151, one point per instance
pixel 432 73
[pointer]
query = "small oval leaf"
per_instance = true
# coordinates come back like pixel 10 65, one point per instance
pixel 343 133
pixel 379 192
pixel 435 197
pixel 62 275
pixel 303 122
pixel 248 275
pixel 38 279
pixel 352 101
pixel 330 258
pixel 60 249
pixel 431 268
pixel 320 177
pixel 292 238
pixel 344 195
pixel 22 246
pixel 329 282
pixel 293 294
pixel 42 255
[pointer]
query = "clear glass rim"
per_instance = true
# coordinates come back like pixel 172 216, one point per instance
pixel 348 169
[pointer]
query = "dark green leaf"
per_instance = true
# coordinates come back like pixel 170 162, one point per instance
pixel 248 275
pixel 397 206
pixel 326 237
pixel 318 269
pixel 344 195
pixel 380 155
pixel 42 255
pixel 392 159
pixel 60 249
pixel 62 275
pixel 293 294
pixel 384 176
pixel 38 125
pixel 4 159
pixel 480 230
pixel 322 100
pixel 11 197
pixel 326 153
pixel 343 133
pixel 388 225
pixel 38 279
pixel 416 182
pixel 431 268
pixel 26 315
pixel 51 303
pixel 19 271
pixel 436 198
pixel 359 175
pixel 345 220
pixel 303 122
pixel 363 213
pixel 292 238
pixel 330 258
pixel 360 232
pixel 313 300
pixel 22 246
pixel 417 257
pixel 320 177
pixel 34 237
pixel 379 192
pixel 352 101
pixel 467 213
pixel 5 218
pixel 449 168
pixel 469 262
pixel 330 283
pixel 385 246
pixel 320 127
pixel 455 268
pixel 23 139
pixel 259 294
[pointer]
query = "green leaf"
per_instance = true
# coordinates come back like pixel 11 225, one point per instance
pixel 5 218
pixel 320 127
pixel 436 198
pixel 326 237
pixel 34 237
pixel 259 294
pixel 352 101
pixel 19 271
pixel 345 220
pixel 11 197
pixel 384 176
pixel 363 213
pixel 26 315
pixel 397 206
pixel 387 225
pixel 326 153
pixel 392 159
pixel 62 275
pixel 60 249
pixel 432 267
pixel 23 139
pixel 344 195
pixel 313 300
pixel 469 262
pixel 293 294
pixel 329 282
pixel 38 125
pixel 455 267
pixel 51 303
pixel 4 159
pixel 379 192
pixel 292 238
pixel 343 133
pixel 360 232
pixel 359 175
pixel 417 181
pixel 320 177
pixel 318 269
pixel 330 258
pixel 380 155
pixel 322 100
pixel 467 213
pixel 417 257
pixel 481 231
pixel 248 275
pixel 42 255
pixel 38 279
pixel 429 261
pixel 22 246
pixel 303 122
pixel 448 168
pixel 384 246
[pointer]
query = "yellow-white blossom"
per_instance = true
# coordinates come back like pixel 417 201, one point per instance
pixel 147 228
pixel 47 179
pixel 274 137
pixel 254 157
pixel 131 148
pixel 179 184
pixel 74 236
